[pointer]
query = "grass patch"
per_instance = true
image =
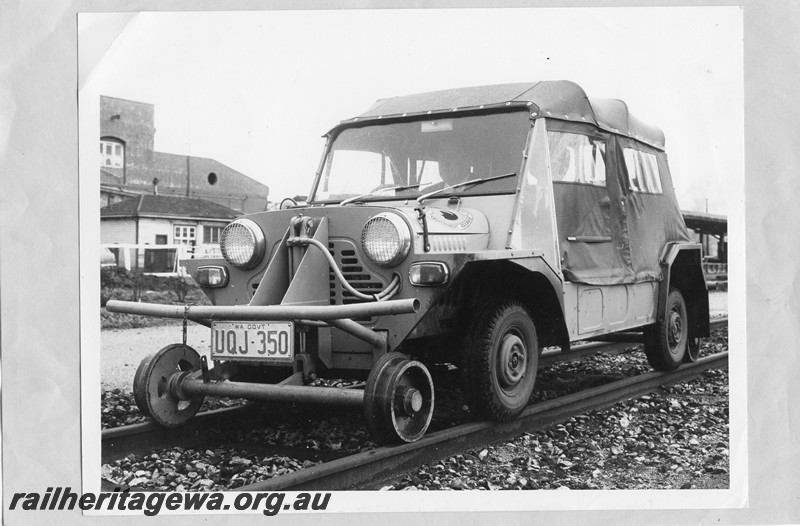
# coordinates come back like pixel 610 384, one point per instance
pixel 121 284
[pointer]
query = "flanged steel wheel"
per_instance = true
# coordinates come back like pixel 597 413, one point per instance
pixel 152 385
pixel 666 341
pixel 502 358
pixel 398 399
pixel 692 350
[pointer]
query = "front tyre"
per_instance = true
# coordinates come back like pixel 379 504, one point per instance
pixel 666 341
pixel 501 361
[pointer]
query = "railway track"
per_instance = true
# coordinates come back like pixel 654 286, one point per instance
pixel 372 468
pixel 141 438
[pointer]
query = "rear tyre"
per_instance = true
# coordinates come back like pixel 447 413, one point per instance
pixel 666 341
pixel 501 361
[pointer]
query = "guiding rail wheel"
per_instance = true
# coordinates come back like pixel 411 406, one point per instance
pixel 692 350
pixel 398 399
pixel 152 385
pixel 666 342
pixel 502 358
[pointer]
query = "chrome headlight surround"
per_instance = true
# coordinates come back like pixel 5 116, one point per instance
pixel 243 244
pixel 386 239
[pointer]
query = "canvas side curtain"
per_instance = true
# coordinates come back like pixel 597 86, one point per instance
pixel 592 234
pixel 652 213
pixel 614 232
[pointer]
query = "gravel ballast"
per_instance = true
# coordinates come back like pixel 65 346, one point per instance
pixel 676 437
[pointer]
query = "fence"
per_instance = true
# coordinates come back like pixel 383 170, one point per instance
pixel 715 271
pixel 159 260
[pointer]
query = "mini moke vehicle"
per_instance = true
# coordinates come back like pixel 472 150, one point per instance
pixel 471 227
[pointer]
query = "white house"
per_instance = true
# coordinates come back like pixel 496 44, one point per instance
pixel 186 225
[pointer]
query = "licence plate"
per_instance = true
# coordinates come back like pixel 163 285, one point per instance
pixel 271 341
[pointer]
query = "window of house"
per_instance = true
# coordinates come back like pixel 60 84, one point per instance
pixel 211 234
pixel 112 154
pixel 643 175
pixel 576 158
pixel 185 235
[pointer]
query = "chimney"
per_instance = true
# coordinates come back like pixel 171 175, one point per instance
pixel 155 185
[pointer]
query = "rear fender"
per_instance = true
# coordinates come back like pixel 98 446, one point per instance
pixel 682 268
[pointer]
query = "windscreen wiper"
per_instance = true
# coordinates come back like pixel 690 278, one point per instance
pixel 395 188
pixel 465 183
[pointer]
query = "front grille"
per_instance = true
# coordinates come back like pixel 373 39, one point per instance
pixel 357 275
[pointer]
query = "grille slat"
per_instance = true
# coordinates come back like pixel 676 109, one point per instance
pixel 354 272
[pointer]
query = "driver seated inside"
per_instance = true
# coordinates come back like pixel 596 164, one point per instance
pixel 453 168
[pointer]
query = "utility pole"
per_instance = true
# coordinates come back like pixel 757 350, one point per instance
pixel 188 177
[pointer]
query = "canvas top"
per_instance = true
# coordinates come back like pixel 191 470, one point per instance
pixel 561 99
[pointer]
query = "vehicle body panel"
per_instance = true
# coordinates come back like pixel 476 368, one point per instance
pixel 592 247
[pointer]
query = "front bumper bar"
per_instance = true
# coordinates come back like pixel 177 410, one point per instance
pixel 205 313
pixel 339 316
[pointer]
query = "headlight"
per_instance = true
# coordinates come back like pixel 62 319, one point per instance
pixel 242 243
pixel 386 239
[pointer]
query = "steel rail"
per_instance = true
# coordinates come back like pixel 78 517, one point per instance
pixel 583 350
pixel 145 437
pixel 119 442
pixel 370 469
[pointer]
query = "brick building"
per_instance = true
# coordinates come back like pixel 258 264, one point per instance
pixel 130 166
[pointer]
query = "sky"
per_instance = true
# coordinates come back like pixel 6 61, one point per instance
pixel 256 90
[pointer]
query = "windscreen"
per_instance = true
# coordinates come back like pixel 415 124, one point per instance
pixel 411 158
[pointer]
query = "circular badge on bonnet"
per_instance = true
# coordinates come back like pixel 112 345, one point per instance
pixel 455 219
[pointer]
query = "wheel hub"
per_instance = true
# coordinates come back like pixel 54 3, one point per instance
pixel 411 401
pixel 675 328
pixel 512 360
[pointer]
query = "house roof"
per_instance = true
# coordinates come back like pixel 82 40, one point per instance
pixel 560 99
pixel 167 206
pixel 107 177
